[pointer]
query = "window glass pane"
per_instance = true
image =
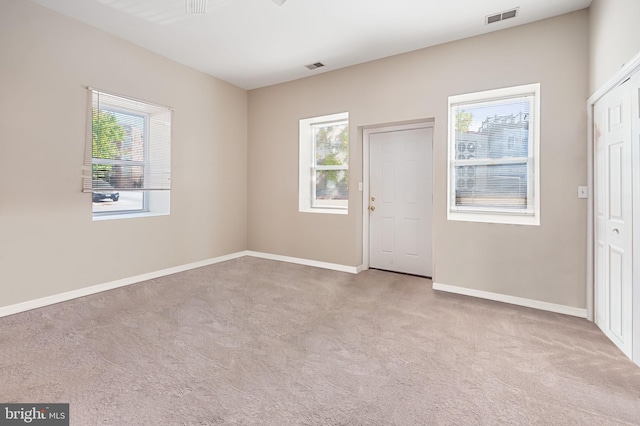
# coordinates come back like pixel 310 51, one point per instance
pixel 118 135
pixel 331 143
pixel 331 185
pixel 503 186
pixel 105 201
pixel 495 129
pixel 120 176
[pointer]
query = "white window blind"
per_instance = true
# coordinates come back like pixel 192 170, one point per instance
pixel 128 144
pixel 493 153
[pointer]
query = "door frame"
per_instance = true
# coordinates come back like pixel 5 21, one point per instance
pixel 367 131
pixel 626 72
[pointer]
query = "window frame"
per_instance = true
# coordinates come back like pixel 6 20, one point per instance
pixel 495 213
pixel 308 168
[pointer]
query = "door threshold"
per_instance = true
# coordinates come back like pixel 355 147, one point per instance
pixel 402 273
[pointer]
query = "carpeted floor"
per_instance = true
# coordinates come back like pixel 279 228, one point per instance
pixel 252 341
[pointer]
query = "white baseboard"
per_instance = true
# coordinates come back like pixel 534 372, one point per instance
pixel 306 262
pixel 74 294
pixel 529 303
pixel 86 291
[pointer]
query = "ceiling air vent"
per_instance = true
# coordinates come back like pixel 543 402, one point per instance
pixel 314 66
pixel 196 7
pixel 502 16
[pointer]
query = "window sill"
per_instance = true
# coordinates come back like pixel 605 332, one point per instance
pixel 324 210
pixel 128 215
pixel 501 218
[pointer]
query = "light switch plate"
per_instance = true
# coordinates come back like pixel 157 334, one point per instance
pixel 583 192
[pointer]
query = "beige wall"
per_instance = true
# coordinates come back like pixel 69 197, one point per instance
pixel 544 263
pixel 49 244
pixel 48 241
pixel 614 38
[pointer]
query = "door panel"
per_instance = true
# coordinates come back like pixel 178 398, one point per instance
pixel 616 266
pixel 615 182
pixel 411 195
pixel 600 295
pixel 411 232
pixel 400 190
pixel 388 235
pixel 388 182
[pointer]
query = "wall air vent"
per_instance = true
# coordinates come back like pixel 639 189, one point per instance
pixel 314 66
pixel 497 17
pixel 196 7
pixel 509 14
pixel 494 18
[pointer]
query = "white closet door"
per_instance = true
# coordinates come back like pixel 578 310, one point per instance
pixel 613 214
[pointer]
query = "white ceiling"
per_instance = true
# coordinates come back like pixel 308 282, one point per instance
pixel 256 43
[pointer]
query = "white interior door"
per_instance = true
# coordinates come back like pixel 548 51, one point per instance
pixel 613 217
pixel 400 200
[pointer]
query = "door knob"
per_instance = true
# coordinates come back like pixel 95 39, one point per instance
pixel 372 208
pixel 616 230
